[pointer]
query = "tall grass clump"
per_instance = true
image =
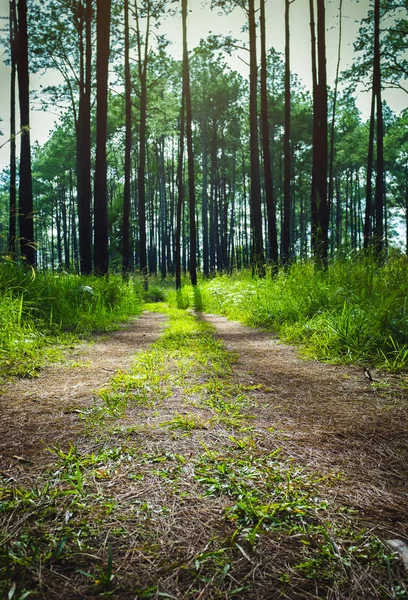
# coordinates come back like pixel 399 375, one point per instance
pixel 39 309
pixel 355 311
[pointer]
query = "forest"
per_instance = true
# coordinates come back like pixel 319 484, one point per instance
pixel 203 304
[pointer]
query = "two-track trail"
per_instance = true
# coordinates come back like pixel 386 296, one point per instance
pixel 215 463
pixel 331 418
pixel 43 411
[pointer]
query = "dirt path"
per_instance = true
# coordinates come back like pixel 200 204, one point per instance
pixel 41 412
pixel 161 479
pixel 331 418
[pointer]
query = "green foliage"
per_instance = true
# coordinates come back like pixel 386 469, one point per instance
pixel 356 311
pixel 154 294
pixel 88 508
pixel 40 309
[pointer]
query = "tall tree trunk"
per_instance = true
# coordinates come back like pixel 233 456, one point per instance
pixel 190 155
pixel 58 227
pixel 141 183
pixel 75 252
pixel 52 238
pixel 172 237
pixel 320 207
pixel 333 119
pixel 101 249
pixel 379 182
pixel 64 222
pixel 338 213
pixel 84 189
pixel 163 209
pixel 359 218
pixel 206 268
pixel 186 239
pixel 177 253
pixel 142 65
pixel 244 191
pixel 213 196
pixel 269 191
pixel 256 214
pixel 368 218
pixel 286 143
pixel 26 220
pixel 128 149
pixel 313 200
pixel 321 184
pixel 352 221
pixel 13 190
pixel 231 244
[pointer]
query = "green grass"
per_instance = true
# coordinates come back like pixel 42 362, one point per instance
pixel 39 310
pixel 355 312
pixel 120 513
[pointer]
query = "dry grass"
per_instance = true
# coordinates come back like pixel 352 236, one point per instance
pixel 132 490
pixel 332 419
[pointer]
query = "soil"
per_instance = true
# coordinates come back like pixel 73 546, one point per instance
pixel 329 418
pixel 43 412
pixel 332 418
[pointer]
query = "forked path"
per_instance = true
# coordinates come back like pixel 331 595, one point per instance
pixel 44 411
pixel 332 419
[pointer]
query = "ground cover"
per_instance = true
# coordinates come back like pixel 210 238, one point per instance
pixel 356 311
pixel 39 311
pixel 197 474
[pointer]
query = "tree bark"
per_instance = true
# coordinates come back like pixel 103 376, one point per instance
pixel 190 155
pixel 26 221
pixel 257 250
pixel 177 253
pixel 128 148
pixel 313 201
pixel 269 191
pixel 368 218
pixel 84 189
pixel 206 268
pixel 320 207
pixel 333 119
pixel 65 237
pixel 379 183
pixel 13 190
pixel 142 64
pixel 101 249
pixel 286 145
pixel 163 209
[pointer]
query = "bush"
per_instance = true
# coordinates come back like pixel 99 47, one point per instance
pixel 40 309
pixel 355 311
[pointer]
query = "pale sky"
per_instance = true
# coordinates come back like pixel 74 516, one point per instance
pixel 201 21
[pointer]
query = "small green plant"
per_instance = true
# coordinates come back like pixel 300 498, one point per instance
pixel 105 575
pixel 154 294
pixel 39 310
pixel 123 497
pixel 186 422
pixel 353 311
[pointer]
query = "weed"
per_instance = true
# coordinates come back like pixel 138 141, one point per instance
pixel 186 422
pixel 127 499
pixel 355 311
pixel 37 312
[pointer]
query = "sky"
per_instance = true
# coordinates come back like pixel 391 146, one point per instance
pixel 202 21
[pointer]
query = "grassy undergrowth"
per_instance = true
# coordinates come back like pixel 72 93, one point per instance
pixel 356 311
pixel 38 310
pixel 176 491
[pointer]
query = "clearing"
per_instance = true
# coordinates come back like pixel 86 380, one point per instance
pixel 186 456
